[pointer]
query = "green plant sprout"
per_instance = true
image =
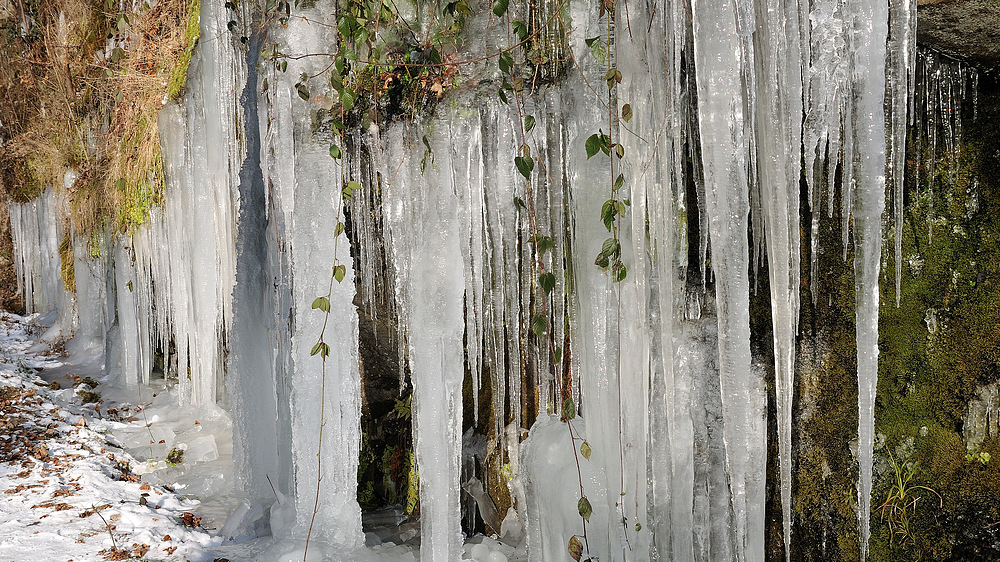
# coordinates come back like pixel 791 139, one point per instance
pixel 175 456
pixel 901 503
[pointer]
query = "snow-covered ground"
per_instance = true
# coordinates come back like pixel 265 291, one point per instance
pixel 85 473
pixel 72 491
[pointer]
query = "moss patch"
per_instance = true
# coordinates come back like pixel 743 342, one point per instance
pixel 178 76
pixel 942 344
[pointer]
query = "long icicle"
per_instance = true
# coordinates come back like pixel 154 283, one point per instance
pixel 869 74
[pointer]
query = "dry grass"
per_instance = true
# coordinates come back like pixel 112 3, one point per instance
pixel 86 98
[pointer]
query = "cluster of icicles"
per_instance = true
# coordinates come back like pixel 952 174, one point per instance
pixel 746 91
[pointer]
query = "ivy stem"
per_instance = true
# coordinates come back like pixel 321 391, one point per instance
pixel 579 476
pixel 322 355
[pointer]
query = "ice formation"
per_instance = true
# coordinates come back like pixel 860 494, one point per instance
pixel 222 279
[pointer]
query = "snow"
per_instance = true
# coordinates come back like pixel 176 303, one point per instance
pixel 59 485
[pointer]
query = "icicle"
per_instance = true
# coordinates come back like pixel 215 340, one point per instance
pixel 779 91
pixel 721 120
pixel 903 22
pixel 37 232
pixel 869 73
pixel 425 222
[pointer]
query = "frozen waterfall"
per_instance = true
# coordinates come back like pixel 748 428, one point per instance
pixel 741 111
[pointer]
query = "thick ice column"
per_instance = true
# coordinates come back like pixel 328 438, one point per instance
pixel 256 379
pixel 422 211
pixel 306 185
pixel 125 345
pixel 869 120
pixel 779 64
pixel 649 303
pixel 203 148
pixel 91 291
pixel 721 120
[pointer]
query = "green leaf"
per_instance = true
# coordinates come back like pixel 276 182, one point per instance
pixel 585 450
pixel 320 348
pixel 500 7
pixel 524 165
pixel 620 208
pixel 619 182
pixel 547 281
pixel 519 203
pixel 538 325
pixel 627 112
pixel 503 96
pixel 321 303
pixel 339 272
pixel 575 548
pixel 302 90
pixel 346 26
pixel 620 150
pixel 583 506
pixel 520 29
pixel 611 248
pixel 557 355
pixel 568 409
pixel 338 229
pixel 350 188
pixel 608 213
pixel 347 99
pixel 593 145
pixel 505 62
pixel 544 243
pixel 529 123
pixel 335 152
pixel 597 49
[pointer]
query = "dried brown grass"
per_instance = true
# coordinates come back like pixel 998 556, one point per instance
pixel 83 101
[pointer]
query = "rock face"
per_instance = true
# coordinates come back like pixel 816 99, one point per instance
pixel 966 29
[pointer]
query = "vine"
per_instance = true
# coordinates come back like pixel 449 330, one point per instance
pixel 383 68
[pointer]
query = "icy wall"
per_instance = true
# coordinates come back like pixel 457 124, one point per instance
pixel 730 100
pixel 38 228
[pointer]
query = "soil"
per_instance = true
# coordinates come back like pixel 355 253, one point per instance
pixel 965 29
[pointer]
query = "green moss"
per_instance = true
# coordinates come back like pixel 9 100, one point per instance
pixel 942 344
pixel 826 475
pixel 178 76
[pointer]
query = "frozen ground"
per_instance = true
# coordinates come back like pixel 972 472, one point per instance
pixel 71 489
pixel 89 480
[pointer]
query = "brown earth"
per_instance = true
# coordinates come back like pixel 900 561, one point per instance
pixel 965 29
